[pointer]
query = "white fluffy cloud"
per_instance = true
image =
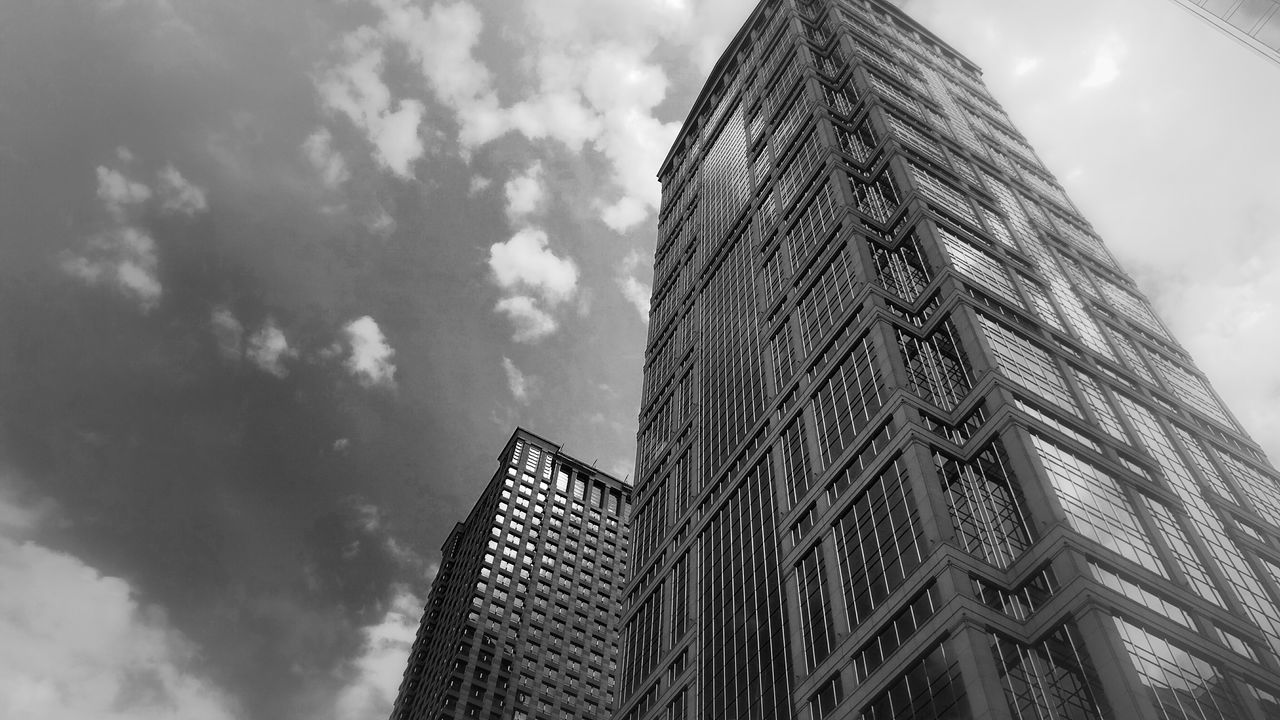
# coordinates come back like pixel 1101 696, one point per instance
pixel 177 194
pixel 525 192
pixel 268 349
pixel 636 291
pixel 526 263
pixel 379 667
pixel 521 385
pixel 327 161
pixel 228 332
pixel 78 645
pixel 355 89
pixel 530 321
pixel 122 258
pixel 536 281
pixel 370 358
pixel 117 192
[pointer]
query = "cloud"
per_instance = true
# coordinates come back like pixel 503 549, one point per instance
pixel 124 154
pixel 525 263
pixel 479 184
pixel 1106 62
pixel 526 192
pixel 118 192
pixel 268 349
pixel 370 358
pixel 78 645
pixel 355 89
pixel 123 259
pixel 228 333
pixel 521 385
pixel 531 322
pixel 379 668
pixel 636 292
pixel 177 194
pixel 328 162
pixel 536 281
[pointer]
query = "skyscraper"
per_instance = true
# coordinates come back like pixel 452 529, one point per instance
pixel 1255 23
pixel 522 618
pixel 912 444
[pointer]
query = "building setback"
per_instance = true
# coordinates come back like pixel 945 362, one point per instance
pixel 523 615
pixel 1254 23
pixel 912 444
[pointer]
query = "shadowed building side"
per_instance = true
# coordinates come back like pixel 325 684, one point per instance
pixel 522 618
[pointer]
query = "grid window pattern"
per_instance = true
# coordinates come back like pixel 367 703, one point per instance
pixel 747 678
pixel 1101 407
pixel 847 399
pixel 903 270
pixel 980 266
pixel 858 143
pixel 826 698
pixel 1040 303
pixel 641 637
pixel 776 273
pixel 827 299
pixel 1050 679
pixel 1130 354
pixel 985 502
pixel 841 100
pixel 859 462
pixel 1185 555
pixel 1180 684
pixel 1020 602
pixel 877 199
pixel 895 633
pixel 1260 489
pixel 812 225
pixel 1026 364
pixel 943 194
pixel 782 348
pixel 1132 306
pixel 798 170
pixel 816 631
pixel 936 366
pixel 997 227
pixel 733 385
pixel 726 181
pixel 1189 387
pixel 1142 595
pixel 914 139
pixel 1207 523
pixel 877 542
pixel 930 688
pixel 1200 458
pixel 793 454
pixel 1096 506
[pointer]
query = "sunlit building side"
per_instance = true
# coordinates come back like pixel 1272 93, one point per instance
pixel 912 444
pixel 522 618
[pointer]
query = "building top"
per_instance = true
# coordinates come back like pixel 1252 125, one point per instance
pixel 725 60
pixel 522 432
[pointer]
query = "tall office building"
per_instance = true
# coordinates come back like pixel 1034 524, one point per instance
pixel 522 618
pixel 912 445
pixel 1254 23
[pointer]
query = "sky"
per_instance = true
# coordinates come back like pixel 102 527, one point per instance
pixel 277 281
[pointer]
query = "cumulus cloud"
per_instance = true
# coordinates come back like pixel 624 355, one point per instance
pixel 531 322
pixel 177 194
pixel 327 161
pixel 1106 62
pixel 525 192
pixel 521 385
pixel 123 259
pixel 526 263
pixel 355 89
pixel 379 667
pixel 268 349
pixel 118 193
pixel 536 281
pixel 228 332
pixel 78 645
pixel 370 355
pixel 636 292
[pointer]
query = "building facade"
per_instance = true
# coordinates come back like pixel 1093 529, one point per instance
pixel 912 444
pixel 523 615
pixel 1254 23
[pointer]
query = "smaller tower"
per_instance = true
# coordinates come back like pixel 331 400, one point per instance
pixel 522 620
